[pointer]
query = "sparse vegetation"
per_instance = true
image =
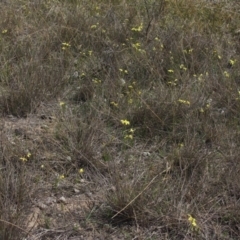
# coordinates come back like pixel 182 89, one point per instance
pixel 119 119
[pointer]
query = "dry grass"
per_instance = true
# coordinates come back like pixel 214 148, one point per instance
pixel 119 120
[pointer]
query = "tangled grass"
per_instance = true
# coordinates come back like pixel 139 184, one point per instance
pixel 138 104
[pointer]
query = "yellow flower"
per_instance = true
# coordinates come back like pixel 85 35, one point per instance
pixel 96 81
pixel 124 71
pixel 193 222
pixel 81 170
pixel 136 45
pixel 180 145
pixel 184 101
pixel 62 104
pixel 93 26
pixel 125 122
pixel 61 177
pixel 232 62
pixel 129 136
pixel 183 67
pixel 170 71
pixel 130 101
pixel 171 83
pixel 4 31
pixel 114 104
pixel 226 74
pixel 27 156
pixel 138 29
pixel 65 45
pixel 23 159
pixel 131 130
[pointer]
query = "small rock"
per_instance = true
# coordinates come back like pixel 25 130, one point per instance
pixel 62 200
pixel 76 190
pixel 146 154
pixel 41 205
pixel 50 200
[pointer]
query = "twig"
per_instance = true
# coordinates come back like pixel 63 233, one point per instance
pixel 13 225
pixel 136 196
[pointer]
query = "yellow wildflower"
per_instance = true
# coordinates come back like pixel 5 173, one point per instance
pixel 184 101
pixel 232 62
pixel 183 67
pixel 129 136
pixel 180 145
pixel 114 104
pixel 95 80
pixel 124 71
pixel 131 130
pixel 81 170
pixel 138 29
pixel 23 159
pixel 136 45
pixel 193 222
pixel 130 101
pixel 93 27
pixel 62 104
pixel 65 45
pixel 125 122
pixel 226 74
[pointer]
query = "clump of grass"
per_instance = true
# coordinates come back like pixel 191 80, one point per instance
pixel 16 188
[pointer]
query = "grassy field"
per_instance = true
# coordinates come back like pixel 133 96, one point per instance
pixel 119 119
